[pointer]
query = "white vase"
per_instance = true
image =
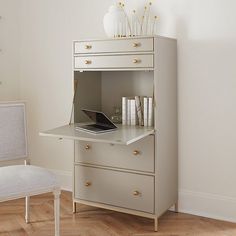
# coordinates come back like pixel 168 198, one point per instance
pixel 114 22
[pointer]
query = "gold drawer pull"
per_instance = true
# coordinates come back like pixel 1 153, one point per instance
pixel 136 61
pixel 136 193
pixel 88 46
pixel 87 147
pixel 136 152
pixel 135 45
pixel 87 184
pixel 87 62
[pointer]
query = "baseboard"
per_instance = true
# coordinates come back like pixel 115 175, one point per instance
pixel 65 178
pixel 207 205
pixel 190 202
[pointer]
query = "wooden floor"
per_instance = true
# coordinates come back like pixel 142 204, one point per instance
pixel 92 221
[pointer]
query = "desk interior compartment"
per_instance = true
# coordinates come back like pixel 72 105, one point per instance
pixel 103 90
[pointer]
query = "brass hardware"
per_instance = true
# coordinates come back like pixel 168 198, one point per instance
pixel 88 46
pixel 136 60
pixel 87 147
pixel 136 193
pixel 87 184
pixel 135 45
pixel 136 152
pixel 88 62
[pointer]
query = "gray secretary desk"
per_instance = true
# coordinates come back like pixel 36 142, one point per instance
pixel 133 169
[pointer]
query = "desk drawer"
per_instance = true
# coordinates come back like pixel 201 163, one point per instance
pixel 136 156
pixel 115 188
pixel 113 46
pixel 118 61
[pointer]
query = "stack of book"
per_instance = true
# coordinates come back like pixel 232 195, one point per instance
pixel 137 111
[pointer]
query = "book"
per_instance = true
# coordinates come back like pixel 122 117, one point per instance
pixel 150 111
pixel 124 110
pixel 139 109
pixel 133 113
pixel 145 111
pixel 128 111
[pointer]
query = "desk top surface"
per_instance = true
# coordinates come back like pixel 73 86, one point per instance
pixel 124 135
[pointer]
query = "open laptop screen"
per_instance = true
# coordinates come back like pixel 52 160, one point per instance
pixel 99 118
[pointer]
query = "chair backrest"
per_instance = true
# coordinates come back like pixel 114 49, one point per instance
pixel 13 140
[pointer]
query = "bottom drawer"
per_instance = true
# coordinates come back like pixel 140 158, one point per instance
pixel 132 191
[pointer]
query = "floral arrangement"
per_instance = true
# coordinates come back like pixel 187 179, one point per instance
pixel 117 23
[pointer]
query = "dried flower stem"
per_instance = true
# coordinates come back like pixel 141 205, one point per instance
pixel 137 25
pixel 148 18
pixel 142 19
pixel 126 16
pixel 154 24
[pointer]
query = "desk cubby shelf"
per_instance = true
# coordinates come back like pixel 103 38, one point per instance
pixel 133 169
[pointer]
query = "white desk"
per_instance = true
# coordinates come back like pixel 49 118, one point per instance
pixel 133 169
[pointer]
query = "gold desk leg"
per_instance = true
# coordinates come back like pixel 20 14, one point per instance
pixel 156 224
pixel 74 207
pixel 176 207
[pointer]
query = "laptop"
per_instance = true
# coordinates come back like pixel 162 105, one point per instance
pixel 102 123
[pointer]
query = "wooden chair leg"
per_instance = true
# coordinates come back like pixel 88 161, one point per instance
pixel 27 209
pixel 57 212
pixel 27 201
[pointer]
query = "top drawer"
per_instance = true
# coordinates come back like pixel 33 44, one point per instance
pixel 116 45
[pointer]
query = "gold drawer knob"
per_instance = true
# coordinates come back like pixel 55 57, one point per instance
pixel 136 193
pixel 87 184
pixel 87 62
pixel 136 152
pixel 135 45
pixel 136 61
pixel 88 46
pixel 87 147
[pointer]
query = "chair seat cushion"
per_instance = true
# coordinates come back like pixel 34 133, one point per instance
pixel 20 181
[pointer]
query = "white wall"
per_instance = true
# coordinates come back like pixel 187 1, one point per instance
pixel 9 56
pixel 47 31
pixel 206 33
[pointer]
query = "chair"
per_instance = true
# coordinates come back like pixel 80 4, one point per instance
pixel 20 181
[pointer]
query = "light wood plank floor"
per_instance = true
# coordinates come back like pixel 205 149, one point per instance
pixel 92 221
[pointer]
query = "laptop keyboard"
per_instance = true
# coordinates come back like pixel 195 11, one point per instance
pixel 96 127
